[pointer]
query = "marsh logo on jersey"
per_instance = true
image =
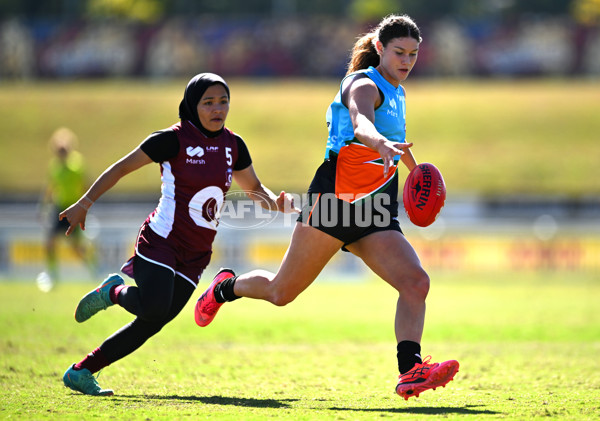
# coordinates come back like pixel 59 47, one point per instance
pixel 197 151
pixel 393 107
pixel 194 152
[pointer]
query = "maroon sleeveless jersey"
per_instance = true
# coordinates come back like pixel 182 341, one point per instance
pixel 194 184
pixel 179 233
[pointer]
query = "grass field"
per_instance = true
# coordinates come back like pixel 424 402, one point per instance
pixel 487 137
pixel 527 343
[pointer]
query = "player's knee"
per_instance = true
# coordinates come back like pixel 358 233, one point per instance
pixel 414 283
pixel 419 284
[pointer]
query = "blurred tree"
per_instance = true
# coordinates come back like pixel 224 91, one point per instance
pixel 45 9
pixel 374 10
pixel 147 11
pixel 587 12
pixel 257 7
pixel 554 7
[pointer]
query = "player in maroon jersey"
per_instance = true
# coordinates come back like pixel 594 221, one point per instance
pixel 198 159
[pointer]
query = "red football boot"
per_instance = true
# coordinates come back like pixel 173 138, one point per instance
pixel 206 306
pixel 426 376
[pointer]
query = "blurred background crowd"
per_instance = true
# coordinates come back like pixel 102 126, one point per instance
pixel 287 38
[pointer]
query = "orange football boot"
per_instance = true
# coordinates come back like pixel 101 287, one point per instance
pixel 426 376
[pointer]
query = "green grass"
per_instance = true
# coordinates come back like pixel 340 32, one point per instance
pixel 527 343
pixel 487 137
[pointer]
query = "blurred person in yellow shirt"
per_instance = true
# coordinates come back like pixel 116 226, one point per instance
pixel 66 183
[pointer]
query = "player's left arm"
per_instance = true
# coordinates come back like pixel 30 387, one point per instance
pixel 255 190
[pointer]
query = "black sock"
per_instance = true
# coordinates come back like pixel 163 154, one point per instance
pixel 409 354
pixel 224 290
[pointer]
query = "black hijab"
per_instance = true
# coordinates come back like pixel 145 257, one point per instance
pixel 192 95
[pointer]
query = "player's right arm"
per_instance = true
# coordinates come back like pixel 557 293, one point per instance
pixel 363 98
pixel 77 212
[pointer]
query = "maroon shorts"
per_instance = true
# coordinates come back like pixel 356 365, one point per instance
pixel 153 248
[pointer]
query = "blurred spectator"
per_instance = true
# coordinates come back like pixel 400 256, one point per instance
pixel 591 57
pixel 304 46
pixel 16 50
pixel 452 48
pixel 96 49
pixel 529 48
pixel 172 51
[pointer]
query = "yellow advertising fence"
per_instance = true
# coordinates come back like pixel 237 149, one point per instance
pixel 465 252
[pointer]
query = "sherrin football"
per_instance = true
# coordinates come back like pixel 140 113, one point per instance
pixel 424 194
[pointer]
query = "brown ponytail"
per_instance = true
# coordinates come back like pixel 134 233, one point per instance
pixel 364 53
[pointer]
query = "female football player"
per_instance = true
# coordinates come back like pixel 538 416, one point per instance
pixel 354 204
pixel 198 159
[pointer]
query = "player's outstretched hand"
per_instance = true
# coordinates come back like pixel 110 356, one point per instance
pixel 76 215
pixel 388 150
pixel 285 203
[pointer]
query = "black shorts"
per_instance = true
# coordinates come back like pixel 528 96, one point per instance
pixel 348 222
pixel 189 264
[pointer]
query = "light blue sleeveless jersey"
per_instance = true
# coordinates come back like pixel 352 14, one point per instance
pixel 390 117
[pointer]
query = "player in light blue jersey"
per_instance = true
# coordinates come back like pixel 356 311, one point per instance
pixel 390 116
pixel 359 177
